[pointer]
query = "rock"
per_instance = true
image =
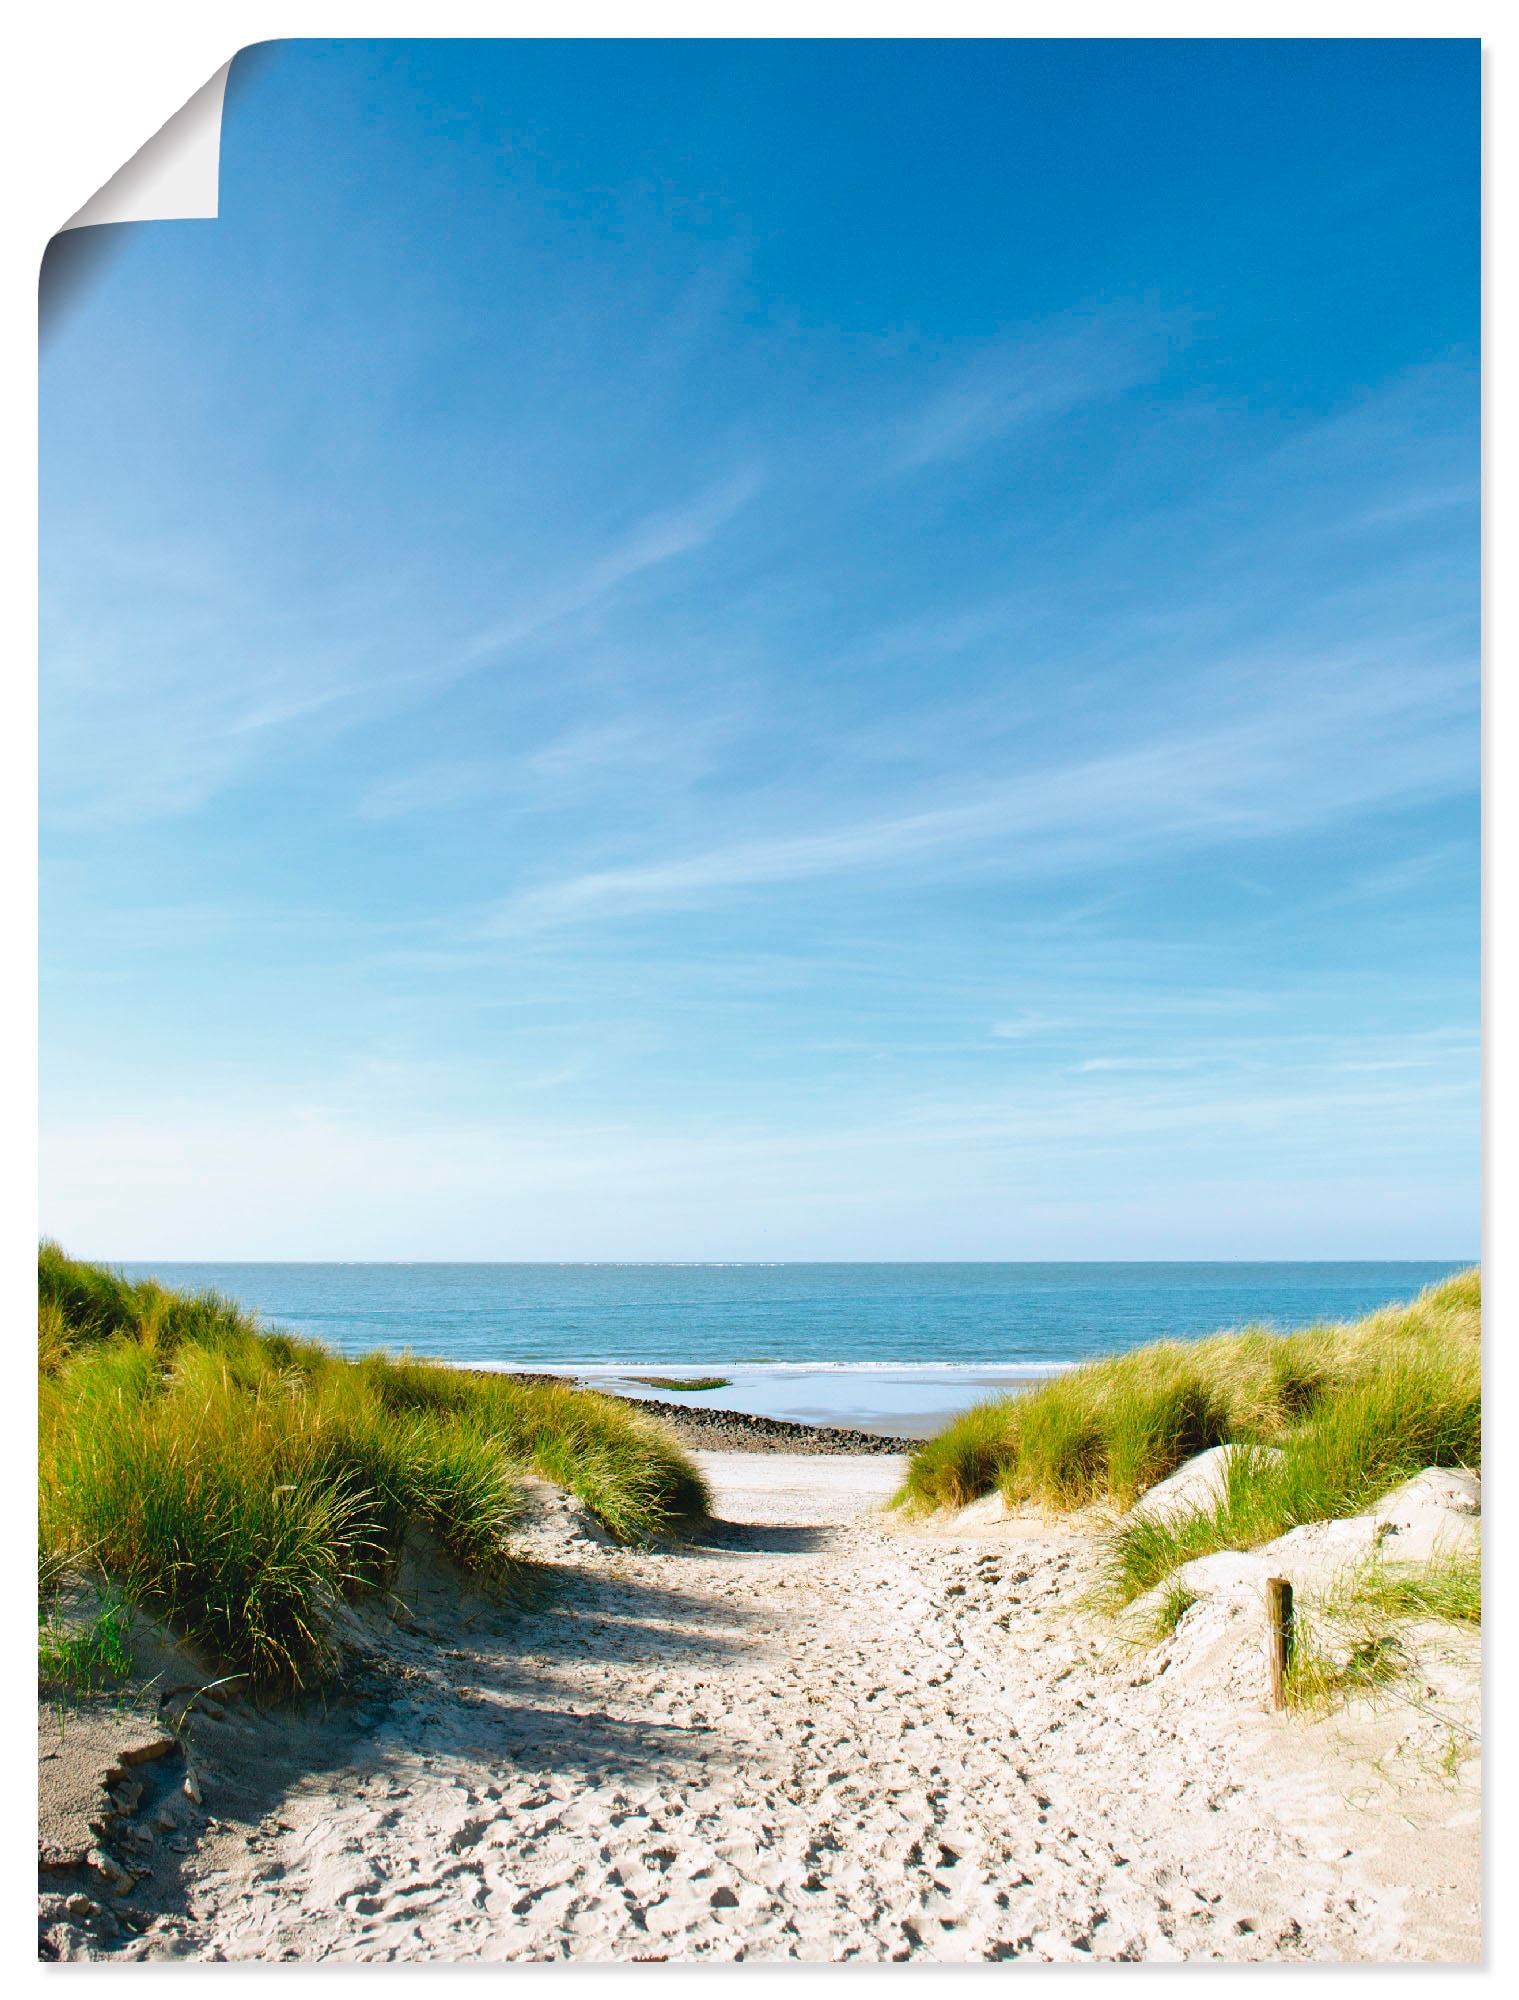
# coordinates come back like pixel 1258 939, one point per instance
pixel 734 1430
pixel 109 1868
pixel 66 1941
pixel 148 1749
pixel 86 1911
pixel 192 1786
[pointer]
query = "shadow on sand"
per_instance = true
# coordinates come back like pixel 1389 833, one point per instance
pixel 455 1674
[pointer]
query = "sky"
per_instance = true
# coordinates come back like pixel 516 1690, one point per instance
pixel 775 650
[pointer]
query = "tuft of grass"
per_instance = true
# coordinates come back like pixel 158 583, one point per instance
pixel 1253 1505
pixel 1321 1675
pixel 1106 1430
pixel 205 1496
pixel 618 1459
pixel 1174 1605
pixel 963 1461
pixel 1447 1588
pixel 240 1481
pixel 683 1381
pixel 1354 1447
pixel 84 1304
pixel 96 1654
pixel 1352 1410
pixel 1353 1638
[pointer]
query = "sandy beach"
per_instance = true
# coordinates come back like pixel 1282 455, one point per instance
pixel 818 1735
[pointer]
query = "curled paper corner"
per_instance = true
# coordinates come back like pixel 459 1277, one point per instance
pixel 176 176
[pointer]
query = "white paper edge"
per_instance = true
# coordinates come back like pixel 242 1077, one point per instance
pixel 176 176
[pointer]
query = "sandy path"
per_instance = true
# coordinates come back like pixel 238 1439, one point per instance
pixel 818 1738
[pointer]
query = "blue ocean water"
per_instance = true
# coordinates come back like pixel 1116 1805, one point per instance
pixel 883 1343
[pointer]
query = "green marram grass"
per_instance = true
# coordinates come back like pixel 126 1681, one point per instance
pixel 81 1657
pixel 241 1481
pixel 1359 1634
pixel 1447 1588
pixel 1326 1421
pixel 1173 1606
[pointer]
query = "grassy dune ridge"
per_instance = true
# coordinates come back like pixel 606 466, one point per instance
pixel 1327 1419
pixel 241 1480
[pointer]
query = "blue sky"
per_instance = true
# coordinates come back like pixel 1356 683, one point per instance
pixel 775 650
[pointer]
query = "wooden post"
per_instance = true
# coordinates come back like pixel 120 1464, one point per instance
pixel 1278 1636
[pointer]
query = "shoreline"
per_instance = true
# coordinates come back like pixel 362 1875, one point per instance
pixel 902 1415
pixel 711 1427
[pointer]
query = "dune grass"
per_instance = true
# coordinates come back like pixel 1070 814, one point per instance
pixel 241 1481
pixel 81 1657
pixel 1325 1421
pixel 1174 1605
pixel 1322 1673
pixel 1340 1458
pixel 1356 1637
pixel 1448 1587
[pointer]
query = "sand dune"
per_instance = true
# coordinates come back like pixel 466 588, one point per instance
pixel 819 1736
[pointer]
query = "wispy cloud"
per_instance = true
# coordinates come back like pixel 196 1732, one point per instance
pixel 429 788
pixel 635 753
pixel 188 715
pixel 1273 772
pixel 1132 1062
pixel 658 538
pixel 1419 506
pixel 270 714
pixel 1033 377
pixel 1023 1027
pixel 1450 859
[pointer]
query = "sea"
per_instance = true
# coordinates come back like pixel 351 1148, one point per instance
pixel 887 1347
